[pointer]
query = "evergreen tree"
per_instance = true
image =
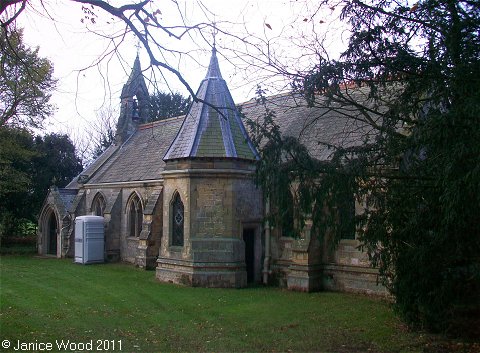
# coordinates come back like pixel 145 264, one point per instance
pixel 16 155
pixel 418 173
pixel 28 167
pixel 56 163
pixel 167 105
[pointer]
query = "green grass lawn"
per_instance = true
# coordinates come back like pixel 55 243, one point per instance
pixel 50 299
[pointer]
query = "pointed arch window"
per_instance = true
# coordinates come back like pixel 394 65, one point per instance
pixel 135 216
pixel 177 220
pixel 98 205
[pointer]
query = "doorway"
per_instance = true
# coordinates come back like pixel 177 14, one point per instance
pixel 52 234
pixel 249 239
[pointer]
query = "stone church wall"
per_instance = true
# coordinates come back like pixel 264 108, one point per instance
pixel 281 250
pixel 118 244
pixel 129 245
pixel 348 269
pixel 152 230
pixel 316 265
pixel 220 200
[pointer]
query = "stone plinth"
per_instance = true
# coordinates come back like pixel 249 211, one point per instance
pixel 216 262
pixel 305 271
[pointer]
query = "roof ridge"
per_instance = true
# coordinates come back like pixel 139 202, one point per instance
pixel 158 122
pixel 275 96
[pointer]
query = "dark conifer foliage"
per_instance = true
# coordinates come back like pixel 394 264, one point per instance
pixel 28 167
pixel 167 105
pixel 418 172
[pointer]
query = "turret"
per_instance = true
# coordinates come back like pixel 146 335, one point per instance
pixel 212 209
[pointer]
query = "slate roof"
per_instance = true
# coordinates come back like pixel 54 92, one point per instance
pixel 63 199
pixel 67 196
pixel 204 132
pixel 138 159
pixel 319 129
pixel 213 126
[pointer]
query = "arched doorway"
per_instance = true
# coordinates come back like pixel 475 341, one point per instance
pixel 52 234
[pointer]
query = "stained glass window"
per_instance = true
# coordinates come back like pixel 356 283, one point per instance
pixel 177 221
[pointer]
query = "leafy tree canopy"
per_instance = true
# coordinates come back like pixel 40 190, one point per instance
pixel 16 153
pixel 26 82
pixel 28 167
pixel 418 172
pixel 25 86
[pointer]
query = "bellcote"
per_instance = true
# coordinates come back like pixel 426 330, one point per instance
pixel 134 104
pixel 135 84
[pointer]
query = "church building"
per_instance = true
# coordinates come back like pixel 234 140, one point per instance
pixel 178 196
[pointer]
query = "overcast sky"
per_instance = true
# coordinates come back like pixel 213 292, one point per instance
pixel 72 47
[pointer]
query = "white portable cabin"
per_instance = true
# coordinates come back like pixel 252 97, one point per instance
pixel 89 240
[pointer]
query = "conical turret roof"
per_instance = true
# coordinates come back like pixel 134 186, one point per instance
pixel 212 126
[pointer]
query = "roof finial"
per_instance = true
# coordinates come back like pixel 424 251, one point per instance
pixel 138 47
pixel 214 34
